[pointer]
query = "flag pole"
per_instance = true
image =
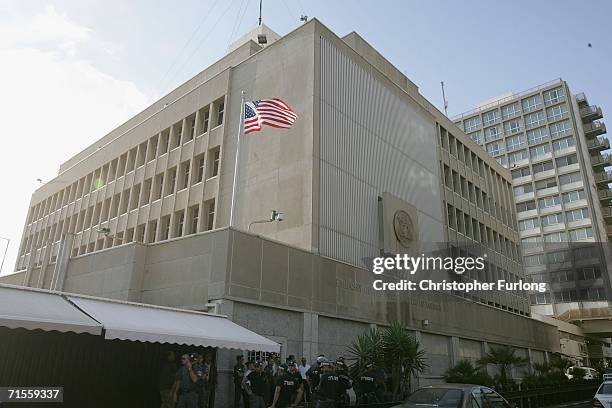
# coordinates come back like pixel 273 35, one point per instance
pixel 231 223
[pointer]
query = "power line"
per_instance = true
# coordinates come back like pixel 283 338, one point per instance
pixel 238 17
pixel 193 34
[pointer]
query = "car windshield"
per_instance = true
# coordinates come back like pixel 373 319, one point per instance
pixel 605 389
pixel 440 397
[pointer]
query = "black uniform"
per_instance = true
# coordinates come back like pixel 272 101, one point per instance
pixel 288 387
pixel 238 375
pixel 367 387
pixel 314 375
pixel 332 387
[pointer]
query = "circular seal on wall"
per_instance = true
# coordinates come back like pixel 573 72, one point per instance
pixel 403 227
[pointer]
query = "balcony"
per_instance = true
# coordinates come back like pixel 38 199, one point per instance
pixel 605 197
pixel 598 144
pixel 609 227
pixel 598 162
pixel 603 178
pixel 594 128
pixel 590 113
pixel 607 213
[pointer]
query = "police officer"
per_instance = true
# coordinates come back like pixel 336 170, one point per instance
pixel 238 374
pixel 329 387
pixel 367 386
pixel 313 374
pixel 255 385
pixel 345 383
pixel 286 386
pixel 295 373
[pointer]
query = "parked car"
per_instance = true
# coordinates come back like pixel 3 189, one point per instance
pixel 455 396
pixel 589 373
pixel 603 396
pixel 607 374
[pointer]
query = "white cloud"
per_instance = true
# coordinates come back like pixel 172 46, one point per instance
pixel 53 104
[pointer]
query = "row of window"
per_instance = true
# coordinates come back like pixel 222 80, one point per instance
pixel 158 145
pixel 551 201
pixel 575 235
pixel 500 199
pixel 535 153
pixel 541 185
pixel 180 223
pixel 477 231
pixel 543 166
pixel 150 190
pixel 574 295
pixel 513 109
pixel 553 219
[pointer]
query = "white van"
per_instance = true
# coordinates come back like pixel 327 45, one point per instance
pixel 589 373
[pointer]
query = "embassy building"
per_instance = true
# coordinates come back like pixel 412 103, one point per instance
pixel 370 167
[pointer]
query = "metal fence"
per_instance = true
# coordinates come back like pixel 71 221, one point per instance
pixel 546 396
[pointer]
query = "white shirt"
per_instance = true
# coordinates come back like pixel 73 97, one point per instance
pixel 303 369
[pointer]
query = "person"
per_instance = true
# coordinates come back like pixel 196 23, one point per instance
pixel 285 388
pixel 250 366
pixel 238 374
pixel 367 386
pixel 314 374
pixel 297 377
pixel 166 380
pixel 255 385
pixel 331 388
pixel 346 383
pixel 206 382
pixel 184 388
pixel 303 369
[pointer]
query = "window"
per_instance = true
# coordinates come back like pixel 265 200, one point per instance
pixel 525 206
pixel 534 260
pixel 546 183
pixel 512 126
pixel 523 189
pixel 570 178
pixel 471 124
pixel 566 160
pixel 179 223
pixel 581 234
pixel 577 215
pixel 555 113
pixel 142 154
pixel 191 122
pixel 135 198
pixel 170 182
pixel 205 118
pixel 152 150
pixel 450 212
pixel 539 151
pixel 518 156
pixel 511 110
pixel 476 137
pixel 199 173
pixel 548 202
pixel 194 216
pixel 490 117
pixel 164 142
pixel 563 144
pixel 552 219
pixel 185 174
pixel 525 171
pixel 165 228
pixel 515 142
pixel 152 230
pixel 531 241
pixel 536 136
pixel 502 160
pixel 542 167
pixel 158 187
pixel 495 148
pixel 177 134
pixel 529 224
pixel 531 103
pixel 553 96
pixel 573 196
pixel 209 207
pixel 556 237
pixel 492 133
pixel 560 129
pixel 534 119
pixel 220 109
pixel 125 196
pixel 140 233
pixel 213 162
pixel 146 192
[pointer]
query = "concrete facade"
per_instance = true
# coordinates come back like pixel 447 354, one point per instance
pixel 143 214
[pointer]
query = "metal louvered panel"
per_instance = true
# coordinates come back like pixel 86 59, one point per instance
pixel 372 141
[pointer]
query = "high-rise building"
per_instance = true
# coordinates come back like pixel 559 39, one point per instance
pixel 549 139
pixel 370 167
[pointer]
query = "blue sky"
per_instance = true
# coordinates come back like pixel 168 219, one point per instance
pixel 73 70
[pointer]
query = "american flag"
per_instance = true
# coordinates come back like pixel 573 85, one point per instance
pixel 272 112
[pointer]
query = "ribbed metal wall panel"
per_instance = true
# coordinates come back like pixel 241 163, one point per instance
pixel 372 141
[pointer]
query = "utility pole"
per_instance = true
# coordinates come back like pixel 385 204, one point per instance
pixel 444 98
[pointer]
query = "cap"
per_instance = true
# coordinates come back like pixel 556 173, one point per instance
pixel 321 358
pixel 283 366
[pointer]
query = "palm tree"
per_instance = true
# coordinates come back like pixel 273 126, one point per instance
pixel 466 372
pixel 403 356
pixel 366 348
pixel 504 357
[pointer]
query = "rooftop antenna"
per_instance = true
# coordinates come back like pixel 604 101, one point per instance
pixel 304 18
pixel 260 1
pixel 444 98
